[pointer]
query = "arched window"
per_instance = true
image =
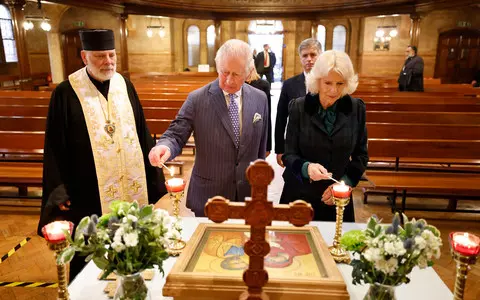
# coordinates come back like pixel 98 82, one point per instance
pixel 193 45
pixel 211 45
pixel 9 47
pixel 321 36
pixel 339 38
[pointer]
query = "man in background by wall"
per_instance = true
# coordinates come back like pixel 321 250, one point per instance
pixel 411 75
pixel 293 88
pixel 265 62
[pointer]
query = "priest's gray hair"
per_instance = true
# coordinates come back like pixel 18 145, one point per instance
pixel 234 49
pixel 337 61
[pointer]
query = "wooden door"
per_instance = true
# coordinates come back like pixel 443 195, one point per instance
pixel 71 51
pixel 458 55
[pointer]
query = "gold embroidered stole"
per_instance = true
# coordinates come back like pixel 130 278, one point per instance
pixel 118 159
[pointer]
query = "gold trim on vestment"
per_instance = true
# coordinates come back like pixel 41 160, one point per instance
pixel 118 158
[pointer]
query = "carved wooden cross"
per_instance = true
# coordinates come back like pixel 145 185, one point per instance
pixel 258 212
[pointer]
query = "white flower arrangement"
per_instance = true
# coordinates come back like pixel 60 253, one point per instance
pixel 387 254
pixel 127 240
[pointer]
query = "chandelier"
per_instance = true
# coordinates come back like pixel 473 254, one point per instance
pixel 386 33
pixel 45 22
pixel 152 28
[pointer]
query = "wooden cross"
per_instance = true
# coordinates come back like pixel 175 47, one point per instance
pixel 258 212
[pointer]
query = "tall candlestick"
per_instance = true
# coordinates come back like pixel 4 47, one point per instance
pixel 341 198
pixel 465 248
pixel 55 237
pixel 176 187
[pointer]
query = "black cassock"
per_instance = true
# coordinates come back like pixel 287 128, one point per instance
pixel 68 164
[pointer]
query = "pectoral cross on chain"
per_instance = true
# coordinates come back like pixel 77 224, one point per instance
pixel 258 212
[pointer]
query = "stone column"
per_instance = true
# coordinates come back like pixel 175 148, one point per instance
pixel 218 32
pixel 55 56
pixel 328 36
pixel 203 45
pixel 16 8
pixel 415 29
pixel 314 29
pixel 123 45
pixel 354 41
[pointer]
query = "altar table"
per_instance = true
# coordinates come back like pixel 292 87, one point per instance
pixel 425 284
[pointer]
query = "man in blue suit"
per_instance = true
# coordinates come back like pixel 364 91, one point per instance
pixel 293 88
pixel 228 119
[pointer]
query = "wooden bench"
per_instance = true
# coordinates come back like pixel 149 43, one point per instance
pixel 440 149
pixel 421 131
pixel 423 117
pixel 23 149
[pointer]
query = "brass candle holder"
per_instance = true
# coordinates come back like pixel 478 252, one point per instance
pixel 57 248
pixel 176 187
pixel 339 254
pixel 465 255
pixel 55 237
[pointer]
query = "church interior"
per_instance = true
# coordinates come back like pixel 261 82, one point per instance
pixel 424 147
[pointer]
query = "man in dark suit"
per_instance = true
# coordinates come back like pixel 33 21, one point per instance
pixel 229 120
pixel 265 62
pixel 411 75
pixel 293 88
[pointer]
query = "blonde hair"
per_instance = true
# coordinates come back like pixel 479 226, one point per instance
pixel 333 60
pixel 253 73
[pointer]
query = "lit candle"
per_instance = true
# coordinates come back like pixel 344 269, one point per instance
pixel 175 185
pixel 465 243
pixel 53 232
pixel 341 190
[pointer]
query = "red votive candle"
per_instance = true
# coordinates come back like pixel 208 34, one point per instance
pixel 465 243
pixel 341 190
pixel 175 185
pixel 53 232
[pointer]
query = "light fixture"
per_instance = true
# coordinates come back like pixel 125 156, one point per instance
pixel 390 29
pixel 45 25
pixel 161 32
pixel 151 27
pixel 28 25
pixel 265 26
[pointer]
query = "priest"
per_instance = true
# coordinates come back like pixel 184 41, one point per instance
pixel 96 141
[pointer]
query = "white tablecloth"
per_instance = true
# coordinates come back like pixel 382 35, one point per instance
pixel 425 284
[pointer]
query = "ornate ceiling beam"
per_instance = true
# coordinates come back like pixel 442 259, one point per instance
pixel 93 4
pixel 251 14
pixel 255 9
pixel 426 6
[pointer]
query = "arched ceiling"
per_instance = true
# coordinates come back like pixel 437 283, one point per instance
pixel 241 9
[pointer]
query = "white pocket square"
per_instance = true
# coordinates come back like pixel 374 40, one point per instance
pixel 257 117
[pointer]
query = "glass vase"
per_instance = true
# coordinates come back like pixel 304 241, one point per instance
pixel 131 287
pixel 379 291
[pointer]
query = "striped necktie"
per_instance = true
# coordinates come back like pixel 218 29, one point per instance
pixel 234 117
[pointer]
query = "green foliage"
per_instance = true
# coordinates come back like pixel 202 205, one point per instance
pixel 386 254
pixel 127 240
pixel 353 240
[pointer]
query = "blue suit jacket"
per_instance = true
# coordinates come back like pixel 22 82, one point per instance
pixel 219 165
